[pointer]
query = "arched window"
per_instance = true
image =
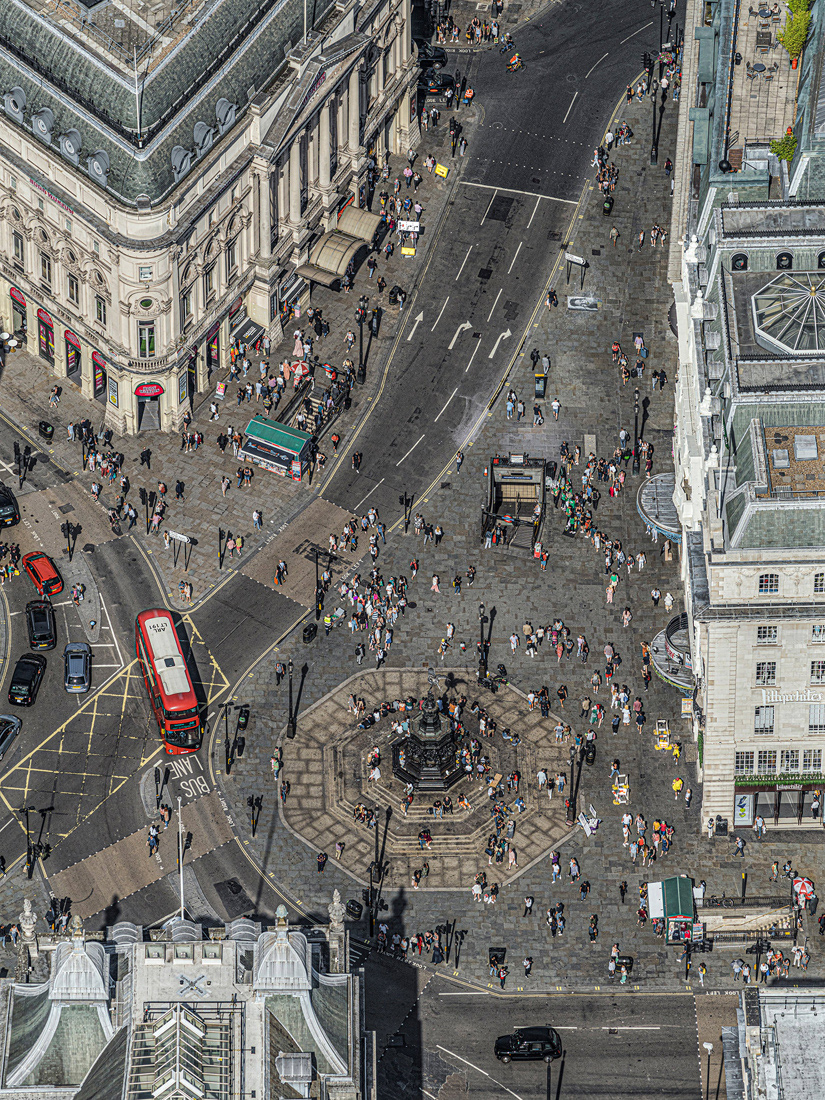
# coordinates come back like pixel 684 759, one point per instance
pixel 739 262
pixel 784 261
pixel 820 260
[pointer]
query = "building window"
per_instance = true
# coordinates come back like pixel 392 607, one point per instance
pixel 768 582
pixel 208 283
pixel 96 247
pixel 766 761
pixel 763 720
pixel 789 760
pixel 40 204
pixel 13 183
pixel 45 268
pixel 17 241
pixel 816 718
pixel 68 225
pixel 231 258
pixel 146 339
pixel 812 760
pixel 766 635
pixel 765 672
pixel 74 289
pixel 100 309
pixel 818 632
pixel 818 672
pixel 784 261
pixel 743 763
pixel 819 582
pixel 739 262
pixel 185 307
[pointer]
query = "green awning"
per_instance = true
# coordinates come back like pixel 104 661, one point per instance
pixel 277 435
pixel 678 898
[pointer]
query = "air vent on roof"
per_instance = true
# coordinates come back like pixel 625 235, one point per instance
pixel 15 103
pixel 70 144
pixel 98 164
pixel 181 161
pixel 225 113
pixel 126 932
pixel 43 124
pixel 203 136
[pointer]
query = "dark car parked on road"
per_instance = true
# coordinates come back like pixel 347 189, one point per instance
pixel 25 680
pixel 529 1044
pixel 431 57
pixel 437 85
pixel 9 511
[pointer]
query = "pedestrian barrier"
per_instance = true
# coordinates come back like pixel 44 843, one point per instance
pixel 757 902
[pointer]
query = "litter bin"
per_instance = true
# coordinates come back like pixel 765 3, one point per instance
pixel 607 206
pixel 721 828
pixel 354 909
pixel 590 753
pixel 497 953
pixel 541 384
pixel 46 429
pixel 625 961
pixel 310 630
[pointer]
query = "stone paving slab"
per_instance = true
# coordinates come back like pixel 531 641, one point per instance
pixel 297 544
pixel 122 868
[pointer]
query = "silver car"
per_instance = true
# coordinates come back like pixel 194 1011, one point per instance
pixel 9 728
pixel 77 667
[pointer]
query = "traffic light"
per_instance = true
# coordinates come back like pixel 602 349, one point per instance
pixel 374 322
pixel 453 126
pixel 359 316
pixel 142 495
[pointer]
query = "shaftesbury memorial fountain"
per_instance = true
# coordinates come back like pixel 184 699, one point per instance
pixel 428 757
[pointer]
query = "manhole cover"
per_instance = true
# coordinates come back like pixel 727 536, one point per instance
pixel 485 273
pixel 553 235
pixel 66 508
pixel 476 335
pixel 595 252
pixel 448 484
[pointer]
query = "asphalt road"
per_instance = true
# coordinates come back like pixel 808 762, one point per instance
pixel 507 220
pixel 614 1045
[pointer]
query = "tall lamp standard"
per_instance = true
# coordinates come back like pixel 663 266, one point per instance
pixel 360 317
pixel 709 1048
pixel 482 649
pixel 290 667
pixel 636 430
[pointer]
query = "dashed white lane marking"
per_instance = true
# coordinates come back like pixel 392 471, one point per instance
pixel 410 451
pixel 590 70
pixel 570 108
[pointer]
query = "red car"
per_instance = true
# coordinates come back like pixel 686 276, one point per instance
pixel 43 573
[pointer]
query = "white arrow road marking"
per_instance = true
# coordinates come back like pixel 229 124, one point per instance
pixel 418 321
pixel 461 328
pixel 504 336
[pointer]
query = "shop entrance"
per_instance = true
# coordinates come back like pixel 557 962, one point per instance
pixel 72 357
pixel 213 351
pixel 148 414
pixel 45 336
pixel 20 324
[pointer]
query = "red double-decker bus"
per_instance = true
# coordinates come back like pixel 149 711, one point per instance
pixel 168 682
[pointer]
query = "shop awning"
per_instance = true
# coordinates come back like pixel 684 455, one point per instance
pixel 672 898
pixel 334 251
pixel 317 275
pixel 248 332
pixel 359 223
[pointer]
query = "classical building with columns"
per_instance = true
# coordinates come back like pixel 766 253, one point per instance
pixel 172 176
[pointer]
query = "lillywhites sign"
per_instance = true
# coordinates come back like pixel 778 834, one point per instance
pixel 806 696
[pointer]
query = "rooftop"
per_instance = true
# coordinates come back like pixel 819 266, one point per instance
pixel 793 1032
pixel 762 104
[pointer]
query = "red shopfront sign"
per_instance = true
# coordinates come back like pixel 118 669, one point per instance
pixel 17 296
pixel 73 339
pixel 43 316
pixel 149 389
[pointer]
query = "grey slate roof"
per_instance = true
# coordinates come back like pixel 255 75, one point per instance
pixel 104 1081
pixel 241 42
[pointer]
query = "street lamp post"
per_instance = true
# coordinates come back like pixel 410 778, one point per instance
pixel 654 148
pixel 709 1048
pixel 636 430
pixel 319 602
pixel 29 850
pixel 360 317
pixel 290 667
pixel 482 651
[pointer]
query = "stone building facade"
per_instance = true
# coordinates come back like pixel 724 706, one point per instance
pixel 163 188
pixel 748 272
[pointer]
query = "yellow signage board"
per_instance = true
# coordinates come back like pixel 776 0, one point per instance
pixel 441 170
pixel 407 251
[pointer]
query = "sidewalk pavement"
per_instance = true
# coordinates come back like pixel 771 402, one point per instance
pixel 26 384
pixel 633 296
